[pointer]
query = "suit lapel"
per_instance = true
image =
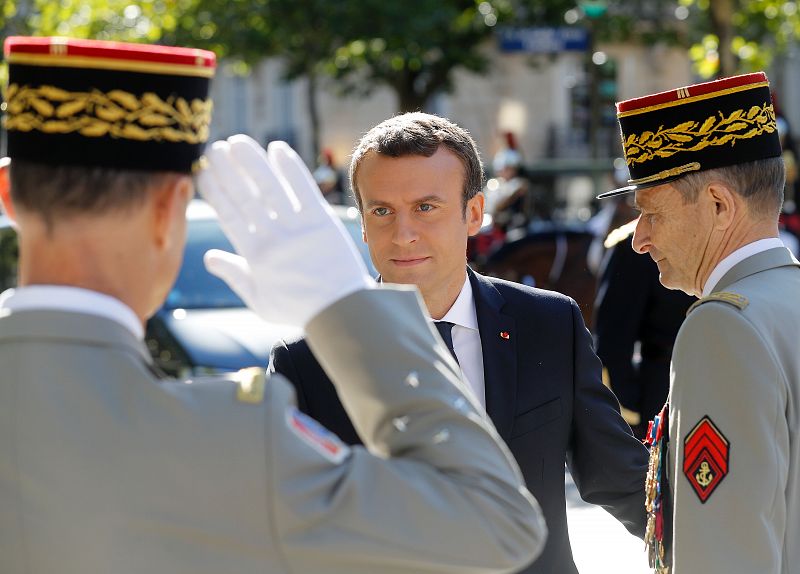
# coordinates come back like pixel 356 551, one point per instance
pixel 499 347
pixel 769 259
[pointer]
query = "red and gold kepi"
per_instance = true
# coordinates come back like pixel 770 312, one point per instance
pixel 107 104
pixel 699 127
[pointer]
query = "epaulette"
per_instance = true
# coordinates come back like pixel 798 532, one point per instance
pixel 250 385
pixel 738 301
pixel 620 234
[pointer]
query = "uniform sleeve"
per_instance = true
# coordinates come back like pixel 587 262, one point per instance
pixel 729 444
pixel 435 489
pixel 607 462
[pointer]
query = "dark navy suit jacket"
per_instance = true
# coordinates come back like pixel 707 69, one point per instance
pixel 546 399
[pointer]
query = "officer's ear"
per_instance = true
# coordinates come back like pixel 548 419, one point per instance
pixel 169 198
pixel 723 200
pixel 5 188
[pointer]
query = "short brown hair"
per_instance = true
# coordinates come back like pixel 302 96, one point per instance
pixel 54 191
pixel 417 133
pixel 759 182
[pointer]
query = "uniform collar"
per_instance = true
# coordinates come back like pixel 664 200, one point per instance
pixel 71 300
pixel 737 257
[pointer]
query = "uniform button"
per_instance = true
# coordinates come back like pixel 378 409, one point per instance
pixel 400 423
pixel 441 436
pixel 412 379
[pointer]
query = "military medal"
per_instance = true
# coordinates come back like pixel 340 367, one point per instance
pixel 654 501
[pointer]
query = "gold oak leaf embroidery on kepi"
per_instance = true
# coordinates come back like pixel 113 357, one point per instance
pixel 694 136
pixel 117 114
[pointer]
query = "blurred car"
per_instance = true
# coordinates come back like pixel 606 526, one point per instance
pixel 203 326
pixel 8 254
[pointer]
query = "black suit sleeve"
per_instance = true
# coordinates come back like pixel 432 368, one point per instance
pixel 607 462
pixel 280 361
pixel 316 394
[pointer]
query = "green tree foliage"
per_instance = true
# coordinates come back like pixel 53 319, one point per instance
pixel 724 37
pixel 125 20
pixel 731 36
pixel 304 33
pixel 411 48
pixel 414 49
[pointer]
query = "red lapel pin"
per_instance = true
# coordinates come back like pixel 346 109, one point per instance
pixel 505 335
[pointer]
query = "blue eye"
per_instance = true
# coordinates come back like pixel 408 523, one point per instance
pixel 380 211
pixel 426 207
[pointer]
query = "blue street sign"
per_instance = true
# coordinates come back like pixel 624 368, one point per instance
pixel 543 40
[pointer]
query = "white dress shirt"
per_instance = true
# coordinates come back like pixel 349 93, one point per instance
pixel 71 300
pixel 467 341
pixel 736 257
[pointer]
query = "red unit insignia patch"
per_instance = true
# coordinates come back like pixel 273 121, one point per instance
pixel 705 458
pixel 317 436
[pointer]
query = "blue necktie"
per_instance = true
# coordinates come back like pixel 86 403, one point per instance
pixel 445 329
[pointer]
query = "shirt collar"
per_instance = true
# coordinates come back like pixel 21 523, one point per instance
pixel 71 300
pixel 462 313
pixel 736 257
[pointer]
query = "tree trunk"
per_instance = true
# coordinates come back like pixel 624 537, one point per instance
pixel 412 98
pixel 408 97
pixel 721 13
pixel 313 112
pixel 410 101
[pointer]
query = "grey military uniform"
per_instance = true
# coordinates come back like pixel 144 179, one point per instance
pixel 734 423
pixel 106 468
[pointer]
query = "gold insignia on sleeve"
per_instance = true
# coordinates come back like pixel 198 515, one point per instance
pixel 250 385
pixel 738 301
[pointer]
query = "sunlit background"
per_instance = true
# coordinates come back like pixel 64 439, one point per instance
pixel 318 73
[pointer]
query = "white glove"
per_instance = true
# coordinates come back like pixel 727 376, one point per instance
pixel 295 257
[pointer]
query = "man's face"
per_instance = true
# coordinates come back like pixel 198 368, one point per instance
pixel 413 218
pixel 676 235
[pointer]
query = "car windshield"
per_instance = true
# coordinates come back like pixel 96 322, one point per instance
pixel 195 287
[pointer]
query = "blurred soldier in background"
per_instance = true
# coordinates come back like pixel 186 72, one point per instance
pixel 789 233
pixel 636 321
pixel 508 198
pixel 329 179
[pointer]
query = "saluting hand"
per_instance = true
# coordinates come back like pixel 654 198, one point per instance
pixel 295 257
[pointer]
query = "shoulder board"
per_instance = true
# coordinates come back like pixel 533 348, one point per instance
pixel 620 234
pixel 738 301
pixel 250 385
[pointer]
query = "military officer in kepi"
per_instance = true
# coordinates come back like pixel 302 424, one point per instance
pixel 107 467
pixel 724 486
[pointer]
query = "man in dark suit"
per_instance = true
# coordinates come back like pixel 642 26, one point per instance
pixel 524 352
pixel 633 307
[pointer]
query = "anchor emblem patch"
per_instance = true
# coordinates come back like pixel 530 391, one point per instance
pixel 705 458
